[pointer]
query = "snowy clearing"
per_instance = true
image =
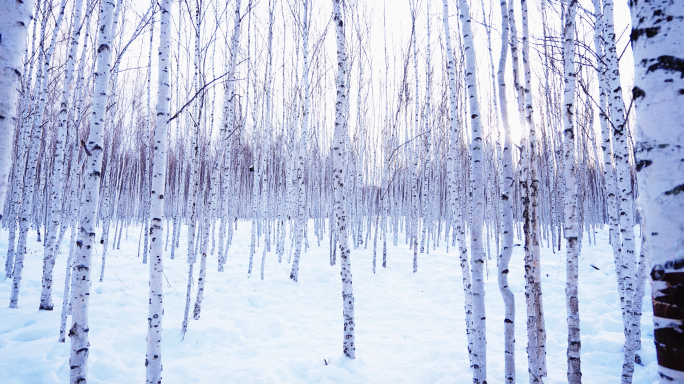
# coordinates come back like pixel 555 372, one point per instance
pixel 410 327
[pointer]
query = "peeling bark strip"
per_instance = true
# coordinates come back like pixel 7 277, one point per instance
pixel 658 81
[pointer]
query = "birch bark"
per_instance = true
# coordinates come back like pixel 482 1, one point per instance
pixel 59 159
pixel 533 232
pixel 571 218
pixel 13 31
pixel 338 173
pixel 506 209
pixel 301 159
pixel 153 358
pixel 27 206
pixel 658 68
pixel 453 188
pixel 476 236
pixel 78 360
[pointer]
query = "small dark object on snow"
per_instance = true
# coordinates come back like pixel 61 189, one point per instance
pixel 327 362
pixel 595 267
pixel 637 359
pixel 516 245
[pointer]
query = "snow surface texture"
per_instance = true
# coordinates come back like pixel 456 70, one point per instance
pixel 409 327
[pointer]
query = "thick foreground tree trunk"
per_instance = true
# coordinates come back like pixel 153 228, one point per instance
pixel 657 29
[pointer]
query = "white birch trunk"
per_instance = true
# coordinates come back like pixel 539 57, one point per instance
pixel 27 207
pixel 348 344
pixel 301 159
pixel 452 182
pixel 78 360
pixel 533 267
pixel 476 236
pixel 59 159
pixel 506 209
pixel 571 219
pixel 13 31
pixel 658 83
pixel 153 358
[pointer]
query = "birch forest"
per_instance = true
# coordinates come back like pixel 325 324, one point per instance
pixel 185 178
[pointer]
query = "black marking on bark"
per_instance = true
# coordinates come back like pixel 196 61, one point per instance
pixel 79 244
pixel 675 191
pixel 675 264
pixel 638 93
pixel 85 148
pixel 638 32
pixel 668 63
pixel 641 164
pixel 657 273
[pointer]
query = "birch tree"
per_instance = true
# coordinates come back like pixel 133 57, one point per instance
pixel 153 361
pixel 506 208
pixel 570 170
pixel 78 360
pixel 338 175
pixel 658 57
pixel 476 237
pixel 13 31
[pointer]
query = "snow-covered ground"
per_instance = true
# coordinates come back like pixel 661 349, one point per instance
pixel 409 327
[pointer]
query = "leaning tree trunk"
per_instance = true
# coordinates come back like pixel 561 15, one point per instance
pixel 338 172
pixel 658 83
pixel 78 360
